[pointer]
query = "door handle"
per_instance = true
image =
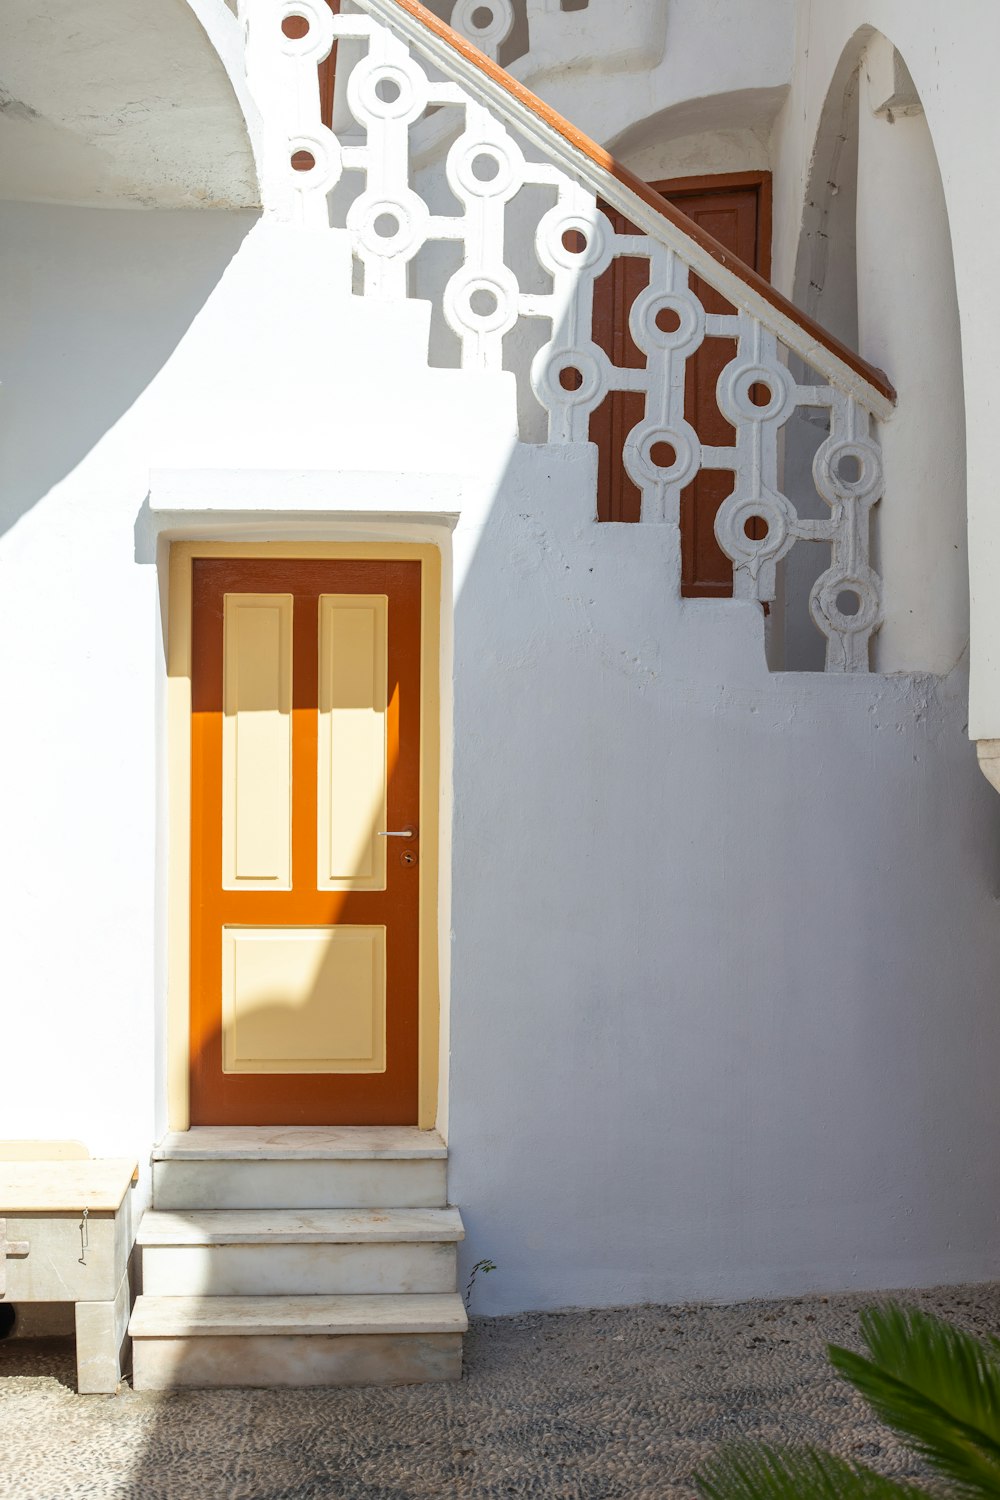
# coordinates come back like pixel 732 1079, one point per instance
pixel 396 833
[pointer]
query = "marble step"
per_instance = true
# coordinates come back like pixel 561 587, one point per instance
pixel 286 1167
pixel 273 1252
pixel 296 1341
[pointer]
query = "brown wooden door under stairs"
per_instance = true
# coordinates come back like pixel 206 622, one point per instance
pixel 736 209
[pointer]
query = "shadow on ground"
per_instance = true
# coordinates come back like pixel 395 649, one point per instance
pixel 569 1406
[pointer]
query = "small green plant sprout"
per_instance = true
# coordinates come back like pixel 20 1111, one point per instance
pixel 482 1267
pixel 933 1384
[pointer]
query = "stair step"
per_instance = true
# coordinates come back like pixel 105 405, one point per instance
pixel 272 1252
pixel 277 1226
pixel 212 1167
pixel 301 1143
pixel 232 1317
pixel 296 1341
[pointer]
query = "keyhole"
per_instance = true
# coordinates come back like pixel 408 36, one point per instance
pixel 407 857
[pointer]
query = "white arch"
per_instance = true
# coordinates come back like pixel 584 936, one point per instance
pixel 875 265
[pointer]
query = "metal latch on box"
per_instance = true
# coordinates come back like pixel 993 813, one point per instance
pixel 8 1249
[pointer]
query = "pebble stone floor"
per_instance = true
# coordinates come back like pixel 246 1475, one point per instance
pixel 569 1406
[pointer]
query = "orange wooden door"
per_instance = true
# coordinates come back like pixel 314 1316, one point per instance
pixel 304 920
pixel 736 210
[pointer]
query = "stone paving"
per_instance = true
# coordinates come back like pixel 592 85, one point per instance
pixel 566 1406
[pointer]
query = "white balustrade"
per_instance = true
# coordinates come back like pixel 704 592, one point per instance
pixel 388 92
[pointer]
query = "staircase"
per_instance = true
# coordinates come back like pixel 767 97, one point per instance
pixel 419 105
pixel 296 1257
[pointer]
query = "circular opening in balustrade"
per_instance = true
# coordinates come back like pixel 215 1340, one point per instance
pixel 668 320
pixel 295 27
pixel 303 161
pixel 8 1319
pixel 663 455
pixel 849 602
pixel 485 167
pixel 575 241
pixel 760 394
pixel 385 226
pixel 483 302
pixel 387 90
pixel 849 468
pixel 482 17
pixel 570 378
pixel 755 528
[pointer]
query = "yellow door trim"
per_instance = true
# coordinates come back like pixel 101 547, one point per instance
pixel 182 555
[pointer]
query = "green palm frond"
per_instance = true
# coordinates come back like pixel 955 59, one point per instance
pixel 762 1473
pixel 937 1386
pixel 925 1351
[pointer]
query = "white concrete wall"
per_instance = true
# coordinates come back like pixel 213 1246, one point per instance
pixel 724 953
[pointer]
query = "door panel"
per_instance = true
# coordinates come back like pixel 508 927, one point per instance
pixel 257 742
pixel 304 922
pixel 331 1014
pixel 353 704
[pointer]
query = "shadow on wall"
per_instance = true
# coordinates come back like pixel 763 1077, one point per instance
pixel 92 303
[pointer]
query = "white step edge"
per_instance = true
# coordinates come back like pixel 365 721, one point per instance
pixel 301 1143
pixel 356 1184
pixel 232 1317
pixel 237 1226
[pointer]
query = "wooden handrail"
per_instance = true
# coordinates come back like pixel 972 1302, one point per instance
pixel 620 187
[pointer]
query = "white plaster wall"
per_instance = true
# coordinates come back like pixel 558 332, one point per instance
pixel 701 152
pixel 93 304
pixel 706 65
pixel 618 35
pixel 723 1010
pixel 134 342
pixel 724 944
